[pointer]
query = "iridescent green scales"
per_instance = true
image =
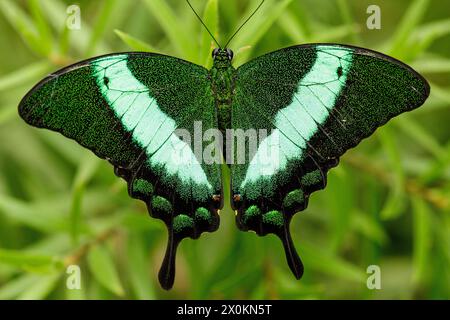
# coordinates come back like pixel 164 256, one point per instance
pixel 315 102
pixel 142 186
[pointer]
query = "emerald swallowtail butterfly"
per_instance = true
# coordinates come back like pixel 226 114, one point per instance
pixel 315 101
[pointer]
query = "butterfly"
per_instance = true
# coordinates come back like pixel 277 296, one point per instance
pixel 314 100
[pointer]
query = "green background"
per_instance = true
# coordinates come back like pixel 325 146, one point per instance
pixel 387 204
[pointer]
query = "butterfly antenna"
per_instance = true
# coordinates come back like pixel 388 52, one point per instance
pixel 204 24
pixel 234 34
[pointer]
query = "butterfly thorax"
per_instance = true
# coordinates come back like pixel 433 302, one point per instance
pixel 222 76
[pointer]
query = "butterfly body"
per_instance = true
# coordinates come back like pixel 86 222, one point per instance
pixel 298 110
pixel 222 75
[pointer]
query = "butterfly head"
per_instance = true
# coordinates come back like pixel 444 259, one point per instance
pixel 222 54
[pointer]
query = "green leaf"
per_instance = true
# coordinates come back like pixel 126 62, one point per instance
pixel 432 64
pixel 316 259
pixel 79 39
pixel 420 135
pixel 69 152
pixel 99 28
pixel 180 36
pixel 23 24
pixel 86 171
pixel 102 266
pixel 411 18
pixel 340 203
pixel 30 261
pixel 395 204
pixel 76 294
pixel 140 222
pixel 258 26
pixel 440 93
pixel 440 227
pixel 348 18
pixel 211 19
pixel 369 227
pixel 64 41
pixel 23 75
pixel 7 113
pixel 426 35
pixel 138 262
pixel 13 288
pixel 422 239
pixel 437 169
pixel 41 288
pixel 32 215
pixel 134 43
pixel 335 32
pixel 45 35
pixel 57 244
pixel 292 28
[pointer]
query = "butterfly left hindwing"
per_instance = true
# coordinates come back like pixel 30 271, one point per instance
pixel 318 101
pixel 126 109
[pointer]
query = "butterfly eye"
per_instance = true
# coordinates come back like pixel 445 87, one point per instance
pixel 215 52
pixel 230 54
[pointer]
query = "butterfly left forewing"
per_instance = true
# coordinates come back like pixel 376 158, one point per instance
pixel 318 101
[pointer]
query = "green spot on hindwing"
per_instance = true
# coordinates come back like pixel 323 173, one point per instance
pixel 182 222
pixel 161 205
pixel 251 212
pixel 312 178
pixel 143 187
pixel 274 218
pixel 293 199
pixel 202 214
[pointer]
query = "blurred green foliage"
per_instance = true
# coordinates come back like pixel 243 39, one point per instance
pixel 387 204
